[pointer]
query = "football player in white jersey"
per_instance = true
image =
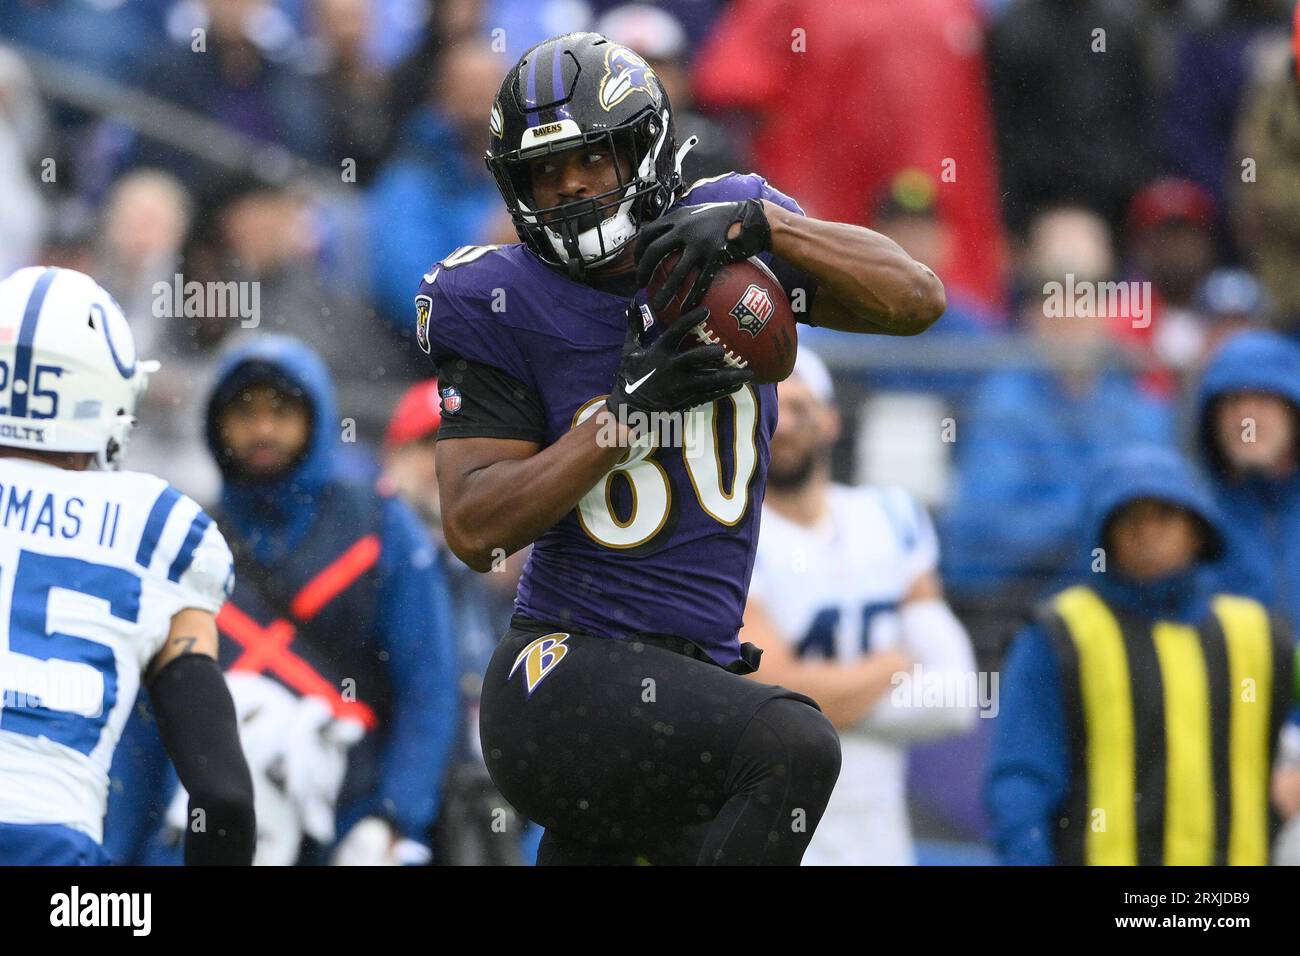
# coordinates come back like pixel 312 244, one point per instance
pixel 105 576
pixel 845 595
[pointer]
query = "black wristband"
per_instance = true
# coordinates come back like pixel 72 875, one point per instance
pixel 196 719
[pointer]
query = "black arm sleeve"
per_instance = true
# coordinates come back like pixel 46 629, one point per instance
pixel 196 719
pixel 479 401
pixel 792 279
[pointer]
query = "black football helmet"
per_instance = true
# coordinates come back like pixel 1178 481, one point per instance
pixel 576 90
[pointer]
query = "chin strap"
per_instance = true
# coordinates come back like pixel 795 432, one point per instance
pixel 112 455
pixel 682 150
pixel 651 158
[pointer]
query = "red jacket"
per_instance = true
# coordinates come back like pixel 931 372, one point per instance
pixel 880 86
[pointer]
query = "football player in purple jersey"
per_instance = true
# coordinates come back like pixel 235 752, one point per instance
pixel 613 711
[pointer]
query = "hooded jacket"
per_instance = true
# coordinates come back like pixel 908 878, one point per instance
pixel 1028 774
pixel 272 517
pixel 402 621
pixel 1261 515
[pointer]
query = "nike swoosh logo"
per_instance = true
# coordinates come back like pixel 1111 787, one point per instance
pixel 630 387
pixel 431 277
pixel 706 205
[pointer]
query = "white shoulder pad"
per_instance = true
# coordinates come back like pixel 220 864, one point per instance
pixel 183 545
pixel 210 578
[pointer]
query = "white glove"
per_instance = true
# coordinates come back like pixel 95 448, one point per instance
pixel 373 842
pixel 315 745
pixel 262 707
pixel 297 754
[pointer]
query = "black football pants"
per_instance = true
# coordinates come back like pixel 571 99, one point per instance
pixel 629 751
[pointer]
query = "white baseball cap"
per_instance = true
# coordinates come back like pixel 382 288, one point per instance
pixel 812 370
pixel 655 34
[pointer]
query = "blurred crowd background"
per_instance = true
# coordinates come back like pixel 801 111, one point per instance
pixel 331 151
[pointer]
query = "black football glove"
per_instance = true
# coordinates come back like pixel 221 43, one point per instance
pixel 658 378
pixel 701 234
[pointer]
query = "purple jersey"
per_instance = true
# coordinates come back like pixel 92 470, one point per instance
pixel 663 544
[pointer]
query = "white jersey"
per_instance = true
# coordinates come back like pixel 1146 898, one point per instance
pixel 93 565
pixel 834 591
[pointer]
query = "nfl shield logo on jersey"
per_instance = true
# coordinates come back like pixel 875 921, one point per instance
pixel 753 310
pixel 450 399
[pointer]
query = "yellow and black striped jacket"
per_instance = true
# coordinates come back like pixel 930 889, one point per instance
pixel 1171 731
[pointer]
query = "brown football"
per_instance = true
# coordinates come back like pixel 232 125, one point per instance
pixel 749 315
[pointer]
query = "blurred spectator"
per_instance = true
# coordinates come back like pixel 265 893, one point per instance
pixel 435 193
pixel 355 92
pixel 847 94
pixel 267 238
pixel 1171 225
pixel 1268 201
pixel 1122 737
pixel 908 213
pixel 1030 433
pixel 1063 241
pixel 841 615
pixel 658 36
pixel 409 80
pixel 1171 237
pixel 1249 428
pixel 339 621
pixel 146 218
pixel 247 76
pixel 22 132
pixel 1073 122
pixel 468 833
pixel 1212 65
